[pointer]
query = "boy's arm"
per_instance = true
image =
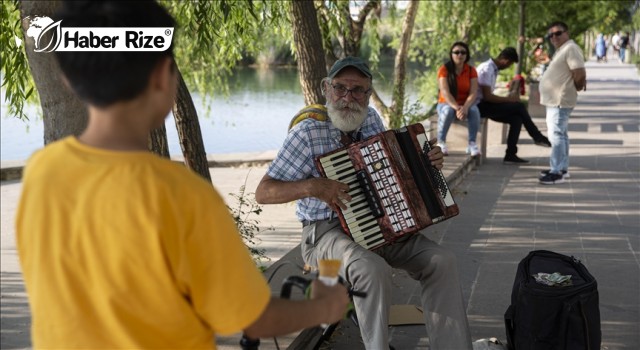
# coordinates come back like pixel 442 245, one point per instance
pixel 282 316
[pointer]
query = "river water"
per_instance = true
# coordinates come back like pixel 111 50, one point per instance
pixel 253 118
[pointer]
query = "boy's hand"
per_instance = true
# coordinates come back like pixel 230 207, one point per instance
pixel 335 299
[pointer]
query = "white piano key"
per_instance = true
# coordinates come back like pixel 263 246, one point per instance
pixel 359 218
pixel 340 171
pixel 363 235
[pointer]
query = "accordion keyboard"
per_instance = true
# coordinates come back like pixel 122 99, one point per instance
pixel 361 221
pixel 395 190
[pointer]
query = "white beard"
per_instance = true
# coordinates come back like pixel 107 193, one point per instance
pixel 346 120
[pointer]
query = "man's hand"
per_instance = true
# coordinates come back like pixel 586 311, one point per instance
pixel 435 155
pixel 336 299
pixel 331 192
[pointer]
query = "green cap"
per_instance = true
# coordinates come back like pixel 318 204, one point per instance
pixel 350 61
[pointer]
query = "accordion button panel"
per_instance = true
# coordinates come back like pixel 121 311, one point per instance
pixel 441 182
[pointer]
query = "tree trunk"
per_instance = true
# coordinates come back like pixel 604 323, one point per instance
pixel 189 134
pixel 521 33
pixel 308 41
pixel 158 143
pixel 400 66
pixel 350 33
pixel 62 112
pixel 355 28
pixel 393 115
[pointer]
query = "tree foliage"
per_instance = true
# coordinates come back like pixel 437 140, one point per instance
pixel 213 36
pixel 17 81
pixel 244 214
pixel 489 26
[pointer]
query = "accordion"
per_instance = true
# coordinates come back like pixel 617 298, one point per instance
pixel 394 188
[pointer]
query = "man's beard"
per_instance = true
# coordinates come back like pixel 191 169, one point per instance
pixel 349 119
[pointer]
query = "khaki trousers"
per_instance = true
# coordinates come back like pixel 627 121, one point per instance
pixel 432 265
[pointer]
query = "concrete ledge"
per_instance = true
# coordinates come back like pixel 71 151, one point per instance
pixel 11 173
pixel 12 169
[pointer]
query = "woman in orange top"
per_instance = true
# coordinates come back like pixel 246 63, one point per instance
pixel 458 83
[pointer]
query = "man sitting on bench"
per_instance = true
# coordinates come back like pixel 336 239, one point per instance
pixel 509 109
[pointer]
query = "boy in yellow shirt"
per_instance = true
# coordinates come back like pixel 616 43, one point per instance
pixel 120 248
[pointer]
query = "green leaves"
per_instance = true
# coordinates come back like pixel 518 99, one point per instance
pixel 248 227
pixel 214 36
pixel 16 80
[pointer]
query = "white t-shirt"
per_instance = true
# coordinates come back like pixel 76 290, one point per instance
pixel 487 75
pixel 556 86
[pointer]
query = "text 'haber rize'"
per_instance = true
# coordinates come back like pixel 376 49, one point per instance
pixel 132 39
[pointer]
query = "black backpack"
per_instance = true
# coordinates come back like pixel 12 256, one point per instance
pixel 565 316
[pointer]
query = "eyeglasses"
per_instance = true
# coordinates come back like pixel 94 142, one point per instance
pixel 558 33
pixel 459 52
pixel 357 93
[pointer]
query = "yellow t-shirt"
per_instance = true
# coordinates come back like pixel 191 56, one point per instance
pixel 126 250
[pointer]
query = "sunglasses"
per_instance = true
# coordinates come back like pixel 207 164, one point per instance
pixel 459 52
pixel 558 33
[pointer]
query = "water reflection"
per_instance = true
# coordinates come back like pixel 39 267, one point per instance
pixel 252 118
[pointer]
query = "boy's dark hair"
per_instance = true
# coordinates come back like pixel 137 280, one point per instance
pixel 560 24
pixel 102 78
pixel 510 54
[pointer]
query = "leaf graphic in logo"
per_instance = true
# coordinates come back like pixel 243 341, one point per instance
pixel 49 38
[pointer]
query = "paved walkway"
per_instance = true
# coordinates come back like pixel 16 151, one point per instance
pixel 505 213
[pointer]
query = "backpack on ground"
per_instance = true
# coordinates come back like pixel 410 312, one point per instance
pixel 554 305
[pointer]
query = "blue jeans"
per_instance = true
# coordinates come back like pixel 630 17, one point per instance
pixel 622 54
pixel 558 132
pixel 446 115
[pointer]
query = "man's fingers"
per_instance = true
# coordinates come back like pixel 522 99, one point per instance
pixel 339 203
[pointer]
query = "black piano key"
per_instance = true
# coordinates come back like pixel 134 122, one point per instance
pixel 338 163
pixel 355 204
pixel 338 156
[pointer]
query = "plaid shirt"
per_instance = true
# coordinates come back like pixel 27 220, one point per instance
pixel 306 141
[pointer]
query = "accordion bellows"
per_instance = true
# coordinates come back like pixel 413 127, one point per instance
pixel 394 188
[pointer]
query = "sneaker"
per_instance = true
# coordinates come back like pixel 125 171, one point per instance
pixel 565 173
pixel 473 149
pixel 552 179
pixel 513 159
pixel 443 147
pixel 542 141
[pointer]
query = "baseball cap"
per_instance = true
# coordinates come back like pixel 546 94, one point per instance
pixel 350 61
